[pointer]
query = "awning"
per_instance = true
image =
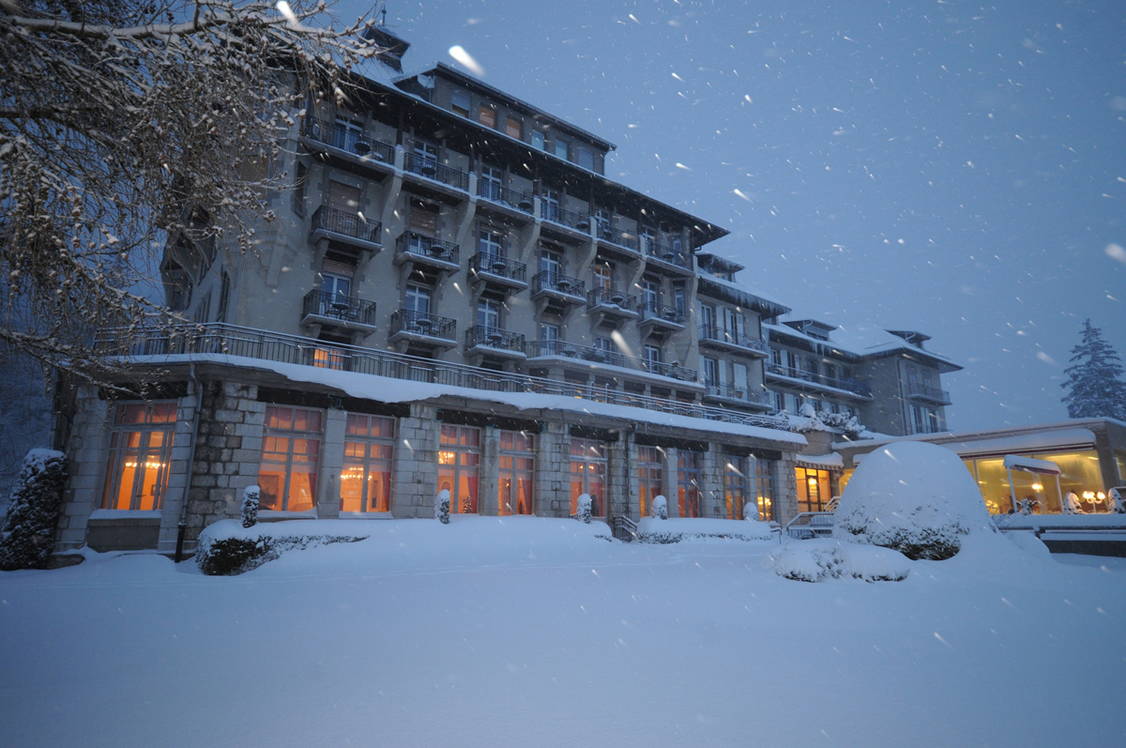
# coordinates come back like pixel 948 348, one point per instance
pixel 1030 465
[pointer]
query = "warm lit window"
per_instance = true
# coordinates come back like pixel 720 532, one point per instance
pixel 813 489
pixel 365 481
pixel 488 116
pixel 140 456
pixel 330 358
pixel 734 485
pixel 512 127
pixel 516 467
pixel 290 448
pixel 588 474
pixel 689 470
pixel 459 455
pixel 650 477
pixel 765 489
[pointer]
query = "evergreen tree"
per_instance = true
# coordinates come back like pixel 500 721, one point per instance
pixel 1094 386
pixel 28 533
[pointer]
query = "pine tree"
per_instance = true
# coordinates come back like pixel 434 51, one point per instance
pixel 1094 386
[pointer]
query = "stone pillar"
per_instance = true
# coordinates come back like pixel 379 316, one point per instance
pixel 86 452
pixel 672 472
pixel 617 492
pixel 711 487
pixel 173 499
pixel 553 468
pixel 786 502
pixel 332 463
pixel 488 475
pixel 415 464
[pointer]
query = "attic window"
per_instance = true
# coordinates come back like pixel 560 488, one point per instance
pixel 459 102
pixel 487 116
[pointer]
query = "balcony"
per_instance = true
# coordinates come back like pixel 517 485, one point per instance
pixel 671 370
pixel 498 271
pixel 567 223
pixel 348 145
pixel 422 327
pixel 612 305
pixel 511 202
pixel 493 341
pixel 336 310
pixel 730 340
pixel 347 227
pixel 425 250
pixel 741 396
pixel 619 243
pixel 592 353
pixel 803 378
pixel 917 391
pixel 432 170
pixel 663 257
pixel 556 289
pixel 660 317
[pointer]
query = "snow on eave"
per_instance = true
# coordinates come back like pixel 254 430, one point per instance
pixel 388 390
pixel 859 349
pixel 741 295
pixel 831 460
pixel 1068 434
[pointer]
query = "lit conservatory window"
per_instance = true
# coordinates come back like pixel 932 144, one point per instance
pixel 516 473
pixel 140 456
pixel 765 489
pixel 814 492
pixel 459 455
pixel 290 447
pixel 588 474
pixel 734 485
pixel 365 481
pixel 650 477
pixel 689 471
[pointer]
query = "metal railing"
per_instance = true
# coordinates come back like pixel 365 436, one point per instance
pixel 498 193
pixel 348 139
pixel 497 265
pixel 808 525
pixel 576 350
pixel 338 306
pixel 348 223
pixel 926 392
pixel 655 310
pixel 742 394
pixel 620 238
pixel 411 242
pixel 666 369
pixel 851 385
pixel 666 253
pixel 431 168
pixel 624 528
pixel 547 280
pixel 612 297
pixel 423 323
pixel 494 337
pixel 218 338
pixel 732 337
pixel 559 214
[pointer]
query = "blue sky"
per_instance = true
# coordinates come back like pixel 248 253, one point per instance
pixel 952 167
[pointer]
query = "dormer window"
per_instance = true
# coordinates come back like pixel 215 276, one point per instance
pixel 459 102
pixel 538 140
pixel 487 116
pixel 559 147
pixel 513 127
pixel 584 157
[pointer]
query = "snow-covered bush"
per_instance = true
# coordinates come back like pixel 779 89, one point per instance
pixel 750 511
pixel 818 560
pixel 442 506
pixel 29 528
pixel 1118 500
pixel 915 497
pixel 586 505
pixel 226 549
pixel 821 420
pixel 660 508
pixel 250 502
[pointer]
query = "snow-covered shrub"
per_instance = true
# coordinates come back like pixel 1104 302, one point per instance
pixel 1029 543
pixel 750 511
pixel 1118 500
pixel 225 549
pixel 660 508
pixel 586 505
pixel 442 506
pixel 818 560
pixel 846 423
pixel 29 528
pixel 915 497
pixel 250 502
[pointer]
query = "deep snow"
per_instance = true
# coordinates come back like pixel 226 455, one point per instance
pixel 537 632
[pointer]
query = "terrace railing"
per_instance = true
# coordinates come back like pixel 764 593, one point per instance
pixel 423 323
pixel 494 337
pixel 548 280
pixel 348 223
pixel 851 385
pixel 164 344
pixel 498 193
pixel 431 168
pixel 348 139
pixel 338 306
pixel 732 337
pixel 414 243
pixel 498 265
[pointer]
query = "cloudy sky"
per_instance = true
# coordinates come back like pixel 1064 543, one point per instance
pixel 953 167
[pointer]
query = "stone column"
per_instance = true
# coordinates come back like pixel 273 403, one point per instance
pixel 488 474
pixel 332 463
pixel 86 452
pixel 672 471
pixel 415 464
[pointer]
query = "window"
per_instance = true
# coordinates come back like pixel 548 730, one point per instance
pixel 487 116
pixel 490 184
pixel 551 264
pixel 775 356
pixel 290 447
pixel 730 324
pixel 603 273
pixel 648 241
pixel 490 243
pixel 459 102
pixel 516 473
pixel 224 297
pixel 140 456
pixel 549 339
pixel 651 294
pixel 513 127
pixel 779 401
pixel 763 471
pixel 584 157
pixel 538 140
pixel 680 300
pixel 365 481
pixel 651 354
pixel 588 474
pixel 559 148
pixel 459 455
pixel 740 380
pixel 650 477
pixel 689 470
pixel 344 197
pixel 549 205
pixel 813 489
pixel 347 133
pixel 603 222
pixel 734 485
pixel 488 314
pixel 425 156
pixel 711 372
pixel 416 300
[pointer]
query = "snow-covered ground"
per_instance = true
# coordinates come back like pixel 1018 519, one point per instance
pixel 537 632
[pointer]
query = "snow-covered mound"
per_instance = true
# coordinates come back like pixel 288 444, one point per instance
pixel 818 560
pixel 652 530
pixel 915 497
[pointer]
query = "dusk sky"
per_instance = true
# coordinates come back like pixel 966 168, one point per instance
pixel 952 167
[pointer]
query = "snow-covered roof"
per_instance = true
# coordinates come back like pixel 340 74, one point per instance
pixel 865 342
pixel 1063 435
pixel 831 460
pixel 738 293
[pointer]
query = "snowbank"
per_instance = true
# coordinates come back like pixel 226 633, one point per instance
pixel 915 497
pixel 822 559
pixel 652 530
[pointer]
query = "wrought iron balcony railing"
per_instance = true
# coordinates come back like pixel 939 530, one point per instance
pixel 423 323
pixel 570 218
pixel 547 280
pixel 350 139
pixel 654 310
pixel 414 243
pixel 338 306
pixel 849 385
pixel 927 392
pixel 620 238
pixel 498 265
pixel 612 297
pixel 498 193
pixel 743 394
pixel 431 168
pixel 576 350
pixel 347 223
pixel 167 345
pixel 719 334
pixel 666 369
pixel 494 337
pixel 665 253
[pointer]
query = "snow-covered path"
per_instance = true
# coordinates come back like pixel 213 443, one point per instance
pixel 482 637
